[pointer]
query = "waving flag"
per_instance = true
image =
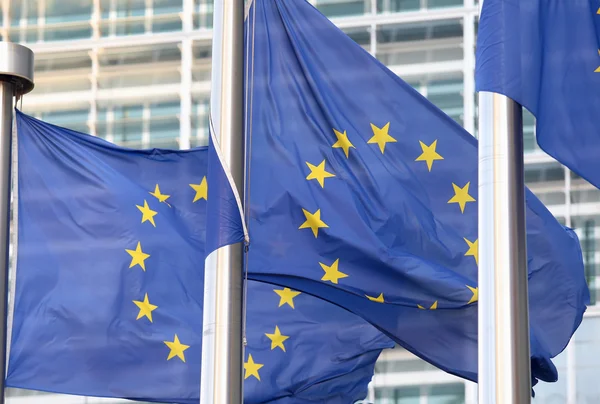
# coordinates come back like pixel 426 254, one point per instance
pixel 110 282
pixel 365 194
pixel 545 55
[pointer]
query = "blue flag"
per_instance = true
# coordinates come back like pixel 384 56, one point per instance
pixel 109 284
pixel 370 193
pixel 546 56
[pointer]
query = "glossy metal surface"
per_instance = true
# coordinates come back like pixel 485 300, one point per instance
pixel 504 364
pixel 222 353
pixel 6 112
pixel 16 78
pixel 16 66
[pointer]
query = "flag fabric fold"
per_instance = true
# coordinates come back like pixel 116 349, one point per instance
pixel 109 284
pixel 545 55
pixel 365 194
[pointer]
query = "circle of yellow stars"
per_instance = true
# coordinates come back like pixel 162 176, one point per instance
pixel 381 138
pixel 320 173
pixel 139 257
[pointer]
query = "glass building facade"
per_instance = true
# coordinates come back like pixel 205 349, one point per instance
pixel 137 73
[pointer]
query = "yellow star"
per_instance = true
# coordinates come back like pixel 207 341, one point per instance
pixel 313 221
pixel 429 154
pixel 277 339
pixel 252 368
pixel 461 196
pixel 147 213
pixel 378 299
pixel 475 296
pixel 201 190
pixel 158 195
pixel 342 142
pixel 332 273
pixel 177 348
pixel 473 250
pixel 433 306
pixel 598 68
pixel 138 256
pixel 145 307
pixel 318 173
pixel 381 136
pixel 286 296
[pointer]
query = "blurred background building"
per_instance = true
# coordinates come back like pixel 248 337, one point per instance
pixel 137 72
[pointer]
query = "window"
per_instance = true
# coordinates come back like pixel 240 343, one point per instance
pixel 529 142
pixel 588 231
pixel 138 66
pixel 434 41
pixel 164 125
pixel 447 96
pixel 340 8
pixel 71 119
pixel 587 352
pixel 432 394
pixel 394 6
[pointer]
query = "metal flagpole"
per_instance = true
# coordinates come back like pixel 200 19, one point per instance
pixel 16 79
pixel 222 353
pixel 504 363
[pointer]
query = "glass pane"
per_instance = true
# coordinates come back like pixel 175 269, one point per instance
pixel 447 95
pixel 167 6
pixel 23 11
pixel 200 122
pixel 139 66
pixel 361 36
pixel 394 6
pixel 128 126
pixel 444 3
pixel 72 119
pixel 203 13
pixel 587 351
pixel 546 181
pixel 588 231
pixel 406 365
pixel 66 32
pixel 438 41
pixel 338 8
pixel 398 395
pixel 172 23
pixel 201 63
pixel 446 394
pixel 529 142
pixel 164 125
pixel 58 11
pixel 127 8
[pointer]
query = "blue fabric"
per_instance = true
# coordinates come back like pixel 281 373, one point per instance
pixel 224 225
pixel 545 54
pixel 75 327
pixel 393 216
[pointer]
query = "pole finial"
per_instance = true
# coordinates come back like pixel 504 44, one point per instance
pixel 16 66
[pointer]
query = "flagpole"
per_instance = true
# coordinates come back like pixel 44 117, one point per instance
pixel 16 79
pixel 222 351
pixel 504 358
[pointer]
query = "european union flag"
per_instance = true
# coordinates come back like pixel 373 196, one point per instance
pixel 546 56
pixel 109 285
pixel 370 193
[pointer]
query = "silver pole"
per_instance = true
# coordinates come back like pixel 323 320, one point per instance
pixel 504 363
pixel 16 78
pixel 222 354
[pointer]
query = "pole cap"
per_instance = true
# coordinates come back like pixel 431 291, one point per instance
pixel 16 66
